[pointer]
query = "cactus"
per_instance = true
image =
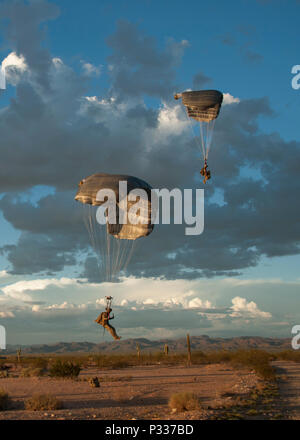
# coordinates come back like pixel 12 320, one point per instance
pixel 138 350
pixel 19 353
pixel 189 358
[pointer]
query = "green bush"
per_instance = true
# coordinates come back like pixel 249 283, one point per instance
pixel 64 369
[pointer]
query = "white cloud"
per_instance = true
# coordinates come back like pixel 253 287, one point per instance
pixel 7 315
pixel 91 70
pixel 171 121
pixel 241 307
pixel 199 303
pixel 58 63
pixel 40 284
pixel 13 60
pixel 229 99
pixel 3 274
pixel 58 307
pixel 14 67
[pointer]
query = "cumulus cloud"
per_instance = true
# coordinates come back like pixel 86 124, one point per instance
pixel 91 70
pixel 229 99
pixel 14 67
pixel 241 307
pixel 39 284
pixel 6 315
pixel 24 33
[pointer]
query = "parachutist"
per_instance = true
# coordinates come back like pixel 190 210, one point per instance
pixel 104 318
pixel 203 106
pixel 205 173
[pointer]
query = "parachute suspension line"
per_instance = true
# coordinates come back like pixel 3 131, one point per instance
pixel 203 141
pixel 88 220
pixel 122 243
pixel 98 238
pixel 206 132
pixel 109 247
pixel 133 246
pixel 116 253
pixel 125 255
pixel 210 131
pixel 196 139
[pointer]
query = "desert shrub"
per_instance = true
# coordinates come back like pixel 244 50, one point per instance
pixel 288 355
pixel 114 361
pixel 4 400
pixel 39 362
pixel 184 402
pixel 64 369
pixel 32 372
pixel 42 402
pixel 258 360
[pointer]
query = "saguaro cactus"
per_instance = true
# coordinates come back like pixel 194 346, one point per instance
pixel 138 351
pixel 19 353
pixel 189 349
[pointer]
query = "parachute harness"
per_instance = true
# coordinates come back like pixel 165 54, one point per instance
pixel 108 306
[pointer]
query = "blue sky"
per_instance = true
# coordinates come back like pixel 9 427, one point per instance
pixel 70 51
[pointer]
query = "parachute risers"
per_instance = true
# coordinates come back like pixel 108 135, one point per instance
pixel 108 302
pixel 203 106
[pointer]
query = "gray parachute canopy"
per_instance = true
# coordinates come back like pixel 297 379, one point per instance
pixel 203 105
pixel 87 194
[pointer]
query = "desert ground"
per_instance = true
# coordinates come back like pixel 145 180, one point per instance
pixel 143 392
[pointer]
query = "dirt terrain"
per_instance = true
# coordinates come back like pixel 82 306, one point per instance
pixel 133 393
pixel 143 393
pixel 289 388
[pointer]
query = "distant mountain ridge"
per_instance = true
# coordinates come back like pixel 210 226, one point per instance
pixel 203 343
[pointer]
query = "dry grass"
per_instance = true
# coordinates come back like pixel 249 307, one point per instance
pixel 32 372
pixel 123 395
pixel 69 365
pixel 42 402
pixel 4 400
pixel 288 355
pixel 184 402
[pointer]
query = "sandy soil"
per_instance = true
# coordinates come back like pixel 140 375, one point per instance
pixel 289 388
pixel 142 393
